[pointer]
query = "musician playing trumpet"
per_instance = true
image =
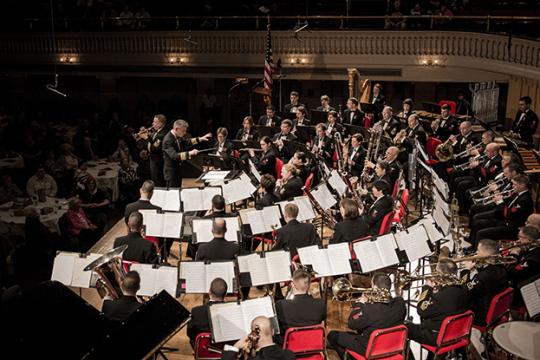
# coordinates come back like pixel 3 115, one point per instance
pixel 369 314
pixel 153 142
pixel 446 125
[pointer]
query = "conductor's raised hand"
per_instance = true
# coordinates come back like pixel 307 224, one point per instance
pixel 206 137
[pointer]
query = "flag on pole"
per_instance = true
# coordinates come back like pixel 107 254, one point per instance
pixel 268 66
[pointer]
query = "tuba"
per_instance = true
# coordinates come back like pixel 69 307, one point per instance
pixel 343 290
pixel 110 272
pixel 445 151
pixel 358 90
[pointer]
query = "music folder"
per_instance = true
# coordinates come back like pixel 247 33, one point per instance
pixel 68 268
pixel 376 254
pixel 323 196
pixel 200 199
pixel 369 108
pixel 166 199
pixel 305 132
pixel 414 241
pixel 246 144
pixel 232 320
pixel 337 183
pixel 305 209
pixel 263 221
pixel 429 224
pixel 531 297
pixel 155 278
pixel 196 276
pixel 167 225
pixel 202 230
pixel 255 269
pixel 238 189
pixel 267 130
pixel 332 261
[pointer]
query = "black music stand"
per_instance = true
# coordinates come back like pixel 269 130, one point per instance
pixel 353 129
pixel 318 116
pixel 368 108
pixel 267 130
pixel 286 115
pixel 305 133
pixel 431 107
pixel 245 144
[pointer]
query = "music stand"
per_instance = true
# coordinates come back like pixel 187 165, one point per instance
pixel 285 115
pixel 431 107
pixel 353 129
pixel 368 108
pixel 267 130
pixel 247 144
pixel 305 133
pixel 318 116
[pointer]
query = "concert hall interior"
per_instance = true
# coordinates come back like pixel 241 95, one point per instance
pixel 270 179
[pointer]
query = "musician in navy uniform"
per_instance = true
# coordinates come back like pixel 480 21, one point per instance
pixel 283 140
pixel 352 115
pixel 325 104
pixel 120 309
pixel 146 191
pixel 153 143
pixel 332 125
pixel 368 315
pixel 270 119
pixel 414 131
pixel 350 228
pixel 438 302
pixel 266 162
pixel 526 121
pixel 377 98
pixel 390 125
pixel 299 160
pixel 484 281
pixel 265 347
pixel 357 156
pixel 247 132
pixel 223 146
pixel 290 185
pixel 382 205
pixel 139 249
pixel 295 234
pixel 294 104
pixel 464 140
pixel 509 215
pixel 323 146
pixel 527 255
pixel 218 248
pixel 301 118
pixel 175 152
pixel 267 197
pixel 445 125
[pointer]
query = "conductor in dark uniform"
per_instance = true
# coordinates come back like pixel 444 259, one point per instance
pixel 218 248
pixel 175 152
pixel 437 302
pixel 526 121
pixel 120 309
pixel 350 228
pixel 484 281
pixel 382 205
pixel 153 142
pixel 139 249
pixel 368 315
pixel 295 234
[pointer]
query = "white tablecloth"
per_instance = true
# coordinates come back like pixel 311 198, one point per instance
pixel 13 162
pixel 50 220
pixel 108 180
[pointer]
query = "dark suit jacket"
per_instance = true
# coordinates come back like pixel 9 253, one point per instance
pixel 266 200
pixel 292 188
pixel 392 126
pixel 154 144
pixel 514 213
pixel 138 205
pixel 434 307
pixel 286 152
pixel 449 127
pixel 357 119
pixel 228 148
pixel 526 127
pixel 199 322
pixel 417 133
pixel 272 352
pixel 295 235
pixel 359 158
pixel 377 212
pixel 289 107
pixel 253 134
pixel 216 250
pixel 174 154
pixel 349 230
pixel 121 308
pixel 306 122
pixel 266 164
pixel 139 249
pixel 302 310
pixel 276 120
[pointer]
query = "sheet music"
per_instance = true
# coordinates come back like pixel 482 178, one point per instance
pixel 172 225
pixel 305 209
pixel 439 202
pixel 414 243
pixel 261 221
pixel 254 170
pixel 258 271
pixel 158 197
pixel 433 233
pixel 154 224
pixel 339 256
pixel 80 277
pixel 378 254
pixel 256 307
pixel 317 258
pixel 172 201
pixel 145 212
pixel 243 265
pixel 278 266
pixel 387 249
pixel 63 268
pixel 531 297
pixel 148 279
pixel 198 199
pixel 307 253
pixel 238 189
pixel 227 322
pixel 441 220
pixel 194 273
pixel 337 183
pixel 215 175
pixel 166 279
pixel 203 229
pixel 243 215
pixel 324 197
pixel 224 270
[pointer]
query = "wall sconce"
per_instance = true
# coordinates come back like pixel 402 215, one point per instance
pixel 431 62
pixel 298 61
pixel 68 59
pixel 177 60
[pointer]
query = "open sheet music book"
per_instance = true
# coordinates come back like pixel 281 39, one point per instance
pixel 429 224
pixel 198 199
pixel 439 202
pixel 273 268
pixel 68 268
pixel 145 212
pixel 238 189
pixel 202 230
pixel 323 196
pixel 337 183
pixel 155 279
pixel 378 254
pixel 167 225
pixel 215 175
pixel 414 241
pixel 331 261
pixel 254 170
pixel 232 320
pixel 441 186
pixel 305 210
pixel 198 275
pixel 261 221
pixel 531 297
pixel 167 200
pixel 441 220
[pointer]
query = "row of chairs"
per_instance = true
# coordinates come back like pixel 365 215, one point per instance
pixel 309 342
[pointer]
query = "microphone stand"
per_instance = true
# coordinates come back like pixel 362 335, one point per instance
pixel 251 96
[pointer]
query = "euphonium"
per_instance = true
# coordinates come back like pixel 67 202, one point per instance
pixel 445 151
pixel 249 351
pixel 398 139
pixel 344 291
pixel 110 271
pixel 404 281
pixel 488 260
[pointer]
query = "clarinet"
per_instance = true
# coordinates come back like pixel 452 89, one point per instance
pixel 329 220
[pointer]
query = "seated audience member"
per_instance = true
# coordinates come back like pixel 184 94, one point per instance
pixel 290 185
pixel 80 227
pixel 139 249
pixel 350 228
pixel 267 196
pixel 295 234
pixel 121 152
pixel 438 302
pixel 484 281
pixel 265 347
pixel 9 191
pixel 200 315
pixel 218 248
pixel 302 309
pixel 143 166
pixel 368 315
pixel 120 309
pixel 146 191
pixel 95 202
pixel 67 158
pixel 41 182
pixel 127 181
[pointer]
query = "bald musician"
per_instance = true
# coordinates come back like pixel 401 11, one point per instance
pixel 218 248
pixel 139 249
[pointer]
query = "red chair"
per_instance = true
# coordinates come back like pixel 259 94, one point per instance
pixel 309 181
pixel 454 334
pixel 279 165
pixel 126 264
pixel 387 344
pixel 453 105
pixel 431 145
pixel 306 340
pixel 386 223
pixel 401 206
pixel 498 308
pixel 202 347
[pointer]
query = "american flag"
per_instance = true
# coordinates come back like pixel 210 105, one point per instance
pixel 268 66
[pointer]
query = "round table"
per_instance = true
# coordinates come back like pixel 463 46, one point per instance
pixel 13 161
pixel 520 338
pixel 106 174
pixel 60 207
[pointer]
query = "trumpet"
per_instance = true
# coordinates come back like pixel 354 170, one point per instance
pixel 150 131
pixel 488 260
pixel 342 290
pixel 484 189
pixel 464 166
pixel 486 200
pixel 468 151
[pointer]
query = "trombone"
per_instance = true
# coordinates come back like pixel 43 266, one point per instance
pixel 468 151
pixel 343 290
pixel 488 260
pixel 523 246
pixel 487 200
